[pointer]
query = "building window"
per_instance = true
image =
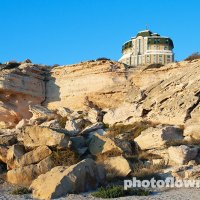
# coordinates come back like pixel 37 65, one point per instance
pixel 160 58
pixel 165 47
pixel 148 59
pixel 154 58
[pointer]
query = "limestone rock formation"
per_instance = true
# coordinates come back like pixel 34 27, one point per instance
pixel 118 115
pixel 82 177
pixel 21 85
pixel 182 154
pixel 26 174
pixel 34 136
pixel 102 144
pixel 34 156
pixel 157 138
pixel 118 165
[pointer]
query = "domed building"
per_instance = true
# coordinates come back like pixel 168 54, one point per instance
pixel 147 48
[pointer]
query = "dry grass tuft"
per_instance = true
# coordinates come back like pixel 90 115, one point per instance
pixel 193 56
pixel 65 157
pixel 146 172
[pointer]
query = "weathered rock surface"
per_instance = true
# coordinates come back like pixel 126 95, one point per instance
pixel 84 102
pixel 34 156
pixel 157 138
pixel 82 177
pixel 92 128
pixel 72 127
pixel 125 113
pixel 20 87
pixel 100 82
pixel 8 139
pixel 182 154
pixel 34 136
pixel 187 172
pixel 40 114
pixel 166 95
pixel 14 153
pixel 171 92
pixel 102 144
pixel 25 175
pixel 118 165
pixel 192 125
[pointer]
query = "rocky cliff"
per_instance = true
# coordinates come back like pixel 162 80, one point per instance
pixel 102 82
pixel 168 95
pixel 85 124
pixel 21 85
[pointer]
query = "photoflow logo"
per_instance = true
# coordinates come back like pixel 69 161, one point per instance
pixel 168 182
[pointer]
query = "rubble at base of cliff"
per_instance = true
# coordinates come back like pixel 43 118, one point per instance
pixel 96 124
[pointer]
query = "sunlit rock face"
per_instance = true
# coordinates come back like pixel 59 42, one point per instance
pixel 105 83
pixel 20 87
pixel 166 95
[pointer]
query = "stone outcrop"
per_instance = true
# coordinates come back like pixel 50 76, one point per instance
pixel 20 86
pixel 34 156
pixel 82 177
pixel 26 174
pixel 166 95
pixel 34 136
pixel 100 82
pixel 102 144
pixel 158 137
pixel 118 166
pixel 97 109
pixel 182 154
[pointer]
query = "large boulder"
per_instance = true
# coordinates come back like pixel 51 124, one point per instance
pixel 157 138
pixel 125 113
pixel 94 115
pixel 182 154
pixel 34 156
pixel 102 144
pixel 119 166
pixel 34 136
pixel 25 175
pixel 187 172
pixel 72 127
pixel 84 176
pixel 40 112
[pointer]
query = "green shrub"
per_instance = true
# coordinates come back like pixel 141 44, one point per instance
pixel 118 191
pixel 102 58
pixel 193 56
pixel 21 190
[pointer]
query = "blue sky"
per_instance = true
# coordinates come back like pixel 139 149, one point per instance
pixel 70 31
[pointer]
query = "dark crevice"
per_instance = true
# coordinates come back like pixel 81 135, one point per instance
pixel 145 112
pixel 190 109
